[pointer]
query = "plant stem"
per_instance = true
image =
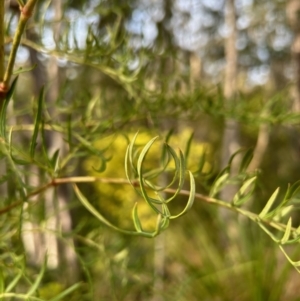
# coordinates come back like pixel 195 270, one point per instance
pixel 26 12
pixel 59 181
pixel 2 39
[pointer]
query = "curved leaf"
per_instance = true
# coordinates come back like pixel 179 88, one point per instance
pixel 269 203
pixel 191 197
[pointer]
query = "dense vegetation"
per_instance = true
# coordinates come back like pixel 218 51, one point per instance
pixel 142 147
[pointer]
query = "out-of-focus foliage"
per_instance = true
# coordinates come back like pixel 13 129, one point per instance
pixel 93 74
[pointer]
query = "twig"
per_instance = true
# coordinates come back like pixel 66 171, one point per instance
pixel 2 39
pixel 26 12
pixel 59 181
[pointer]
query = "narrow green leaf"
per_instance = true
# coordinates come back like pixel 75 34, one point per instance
pixel 37 123
pixel 234 155
pixel 169 135
pixel 127 170
pixel 19 161
pixel 14 282
pixel 165 210
pixel 244 192
pixel 180 173
pixel 165 158
pixel 154 187
pixel 296 264
pixel 130 155
pixel 70 133
pixel 191 199
pixel 129 166
pixel 269 203
pixel 295 189
pixel 291 192
pixel 17 296
pixel 10 150
pixel 162 223
pixel 55 160
pixel 102 166
pixel 288 194
pixel 94 212
pixel 136 219
pixel 298 231
pixel 246 185
pixel 219 182
pixel 22 69
pixel 273 237
pixel 4 108
pixel 201 163
pixel 66 292
pixel 246 160
pixel 144 153
pixel 140 174
pixel 280 212
pixel 90 208
pixel 158 225
pixel 293 241
pixel 188 146
pixel 44 144
pixel 38 280
pixel 88 145
pixel 287 232
pixel 150 201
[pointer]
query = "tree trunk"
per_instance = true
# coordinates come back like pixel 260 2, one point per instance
pixel 293 15
pixel 231 132
pixel 57 216
pixel 230 143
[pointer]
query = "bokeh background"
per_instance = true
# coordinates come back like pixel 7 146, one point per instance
pixel 224 72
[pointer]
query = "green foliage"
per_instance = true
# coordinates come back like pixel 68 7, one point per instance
pixel 149 183
pixel 118 201
pixel 89 162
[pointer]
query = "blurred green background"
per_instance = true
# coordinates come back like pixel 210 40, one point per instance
pixel 224 73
